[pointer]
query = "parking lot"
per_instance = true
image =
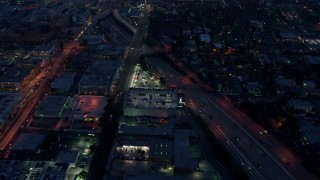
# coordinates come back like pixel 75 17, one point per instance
pixel 143 79
pixel 133 152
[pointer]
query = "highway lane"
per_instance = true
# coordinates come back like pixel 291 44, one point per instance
pixel 238 129
pixel 260 167
pixel 257 155
pixel 214 126
pixel 243 144
pixel 284 154
pixel 270 144
pixel 206 148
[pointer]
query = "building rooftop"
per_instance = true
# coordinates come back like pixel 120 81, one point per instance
pixel 44 47
pixel 15 74
pixel 151 98
pixel 92 106
pixel 65 81
pixel 281 81
pixel 60 83
pixel 28 141
pixel 8 102
pixel 21 170
pixel 150 131
pixel 100 73
pixel 314 60
pixel 160 148
pixel 298 102
pixel 52 106
pixel 310 132
pixel 205 38
pixel 182 157
pixel 121 167
pixel 67 157
pixel 148 177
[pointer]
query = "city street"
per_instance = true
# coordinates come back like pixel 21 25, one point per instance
pixel 37 91
pixel 100 158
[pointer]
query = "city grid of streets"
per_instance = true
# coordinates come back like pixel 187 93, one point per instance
pixel 240 135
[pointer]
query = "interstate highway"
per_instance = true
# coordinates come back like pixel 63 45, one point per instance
pixel 238 133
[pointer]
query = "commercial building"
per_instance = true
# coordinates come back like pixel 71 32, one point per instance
pixel 299 104
pixel 20 170
pixel 182 159
pixel 88 107
pixel 149 131
pixel 94 39
pixel 113 49
pixel 8 104
pixel 151 102
pixel 205 38
pixel 28 142
pixel 14 77
pixel 162 155
pixel 147 125
pixel 69 157
pixel 44 51
pixel 79 16
pixel 53 106
pixel 310 133
pixel 145 147
pixel 99 77
pixel 63 83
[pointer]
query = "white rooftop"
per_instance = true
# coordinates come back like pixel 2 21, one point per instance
pixel 151 98
pixel 160 147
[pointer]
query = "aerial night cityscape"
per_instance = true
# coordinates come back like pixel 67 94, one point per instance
pixel 159 89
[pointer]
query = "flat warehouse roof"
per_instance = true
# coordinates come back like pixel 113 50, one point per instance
pixel 91 105
pixel 152 98
pixel 100 73
pixel 28 141
pixel 51 105
pixel 8 101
